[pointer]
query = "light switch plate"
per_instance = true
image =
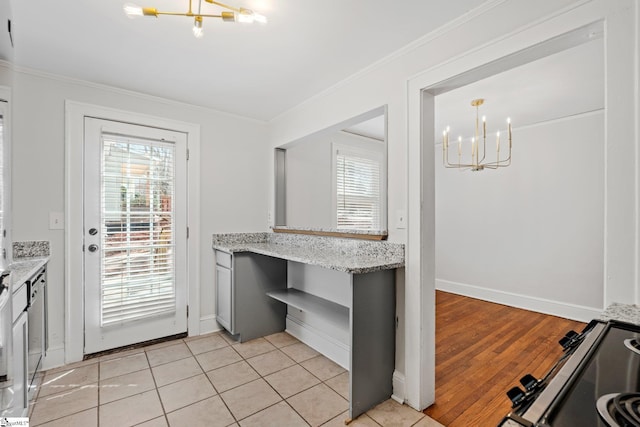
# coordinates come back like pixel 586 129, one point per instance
pixel 401 219
pixel 56 220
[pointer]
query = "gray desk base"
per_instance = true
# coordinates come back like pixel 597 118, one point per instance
pixel 371 321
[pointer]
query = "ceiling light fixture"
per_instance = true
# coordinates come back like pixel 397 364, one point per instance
pixel 232 14
pixel 477 163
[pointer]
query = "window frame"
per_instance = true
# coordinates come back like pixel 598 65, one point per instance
pixel 367 153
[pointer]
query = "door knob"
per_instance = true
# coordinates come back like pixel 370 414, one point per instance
pixel 93 231
pixel 93 248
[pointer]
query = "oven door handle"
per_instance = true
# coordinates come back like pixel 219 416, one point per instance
pixel 515 418
pixel 38 277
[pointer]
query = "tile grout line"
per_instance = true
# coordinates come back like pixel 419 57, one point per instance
pixel 153 377
pixel 299 392
pixel 276 391
pixel 78 386
pixel 283 400
pixel 227 344
pixel 210 382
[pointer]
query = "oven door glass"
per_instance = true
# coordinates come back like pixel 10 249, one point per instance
pixel 612 368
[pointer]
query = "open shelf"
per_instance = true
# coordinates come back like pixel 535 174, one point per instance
pixel 312 304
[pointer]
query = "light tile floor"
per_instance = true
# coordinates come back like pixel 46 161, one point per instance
pixel 208 381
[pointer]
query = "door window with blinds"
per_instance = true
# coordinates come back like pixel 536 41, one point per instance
pixel 138 228
pixel 358 190
pixel 135 233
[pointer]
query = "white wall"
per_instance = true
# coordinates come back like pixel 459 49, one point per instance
pixel 232 156
pixel 309 184
pixel 6 49
pixel 620 140
pixel 534 229
pixel 6 93
pixel 494 30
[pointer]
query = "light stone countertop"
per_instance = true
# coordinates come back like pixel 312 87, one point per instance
pixel 623 312
pixel 347 255
pixel 23 268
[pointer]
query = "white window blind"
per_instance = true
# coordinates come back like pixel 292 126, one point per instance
pixel 358 190
pixel 137 213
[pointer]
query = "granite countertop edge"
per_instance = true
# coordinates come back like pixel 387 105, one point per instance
pixel 622 312
pixel 23 268
pixel 358 264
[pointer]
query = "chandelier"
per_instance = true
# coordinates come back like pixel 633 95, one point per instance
pixel 479 160
pixel 232 14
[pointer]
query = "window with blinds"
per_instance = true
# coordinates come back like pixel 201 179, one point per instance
pixel 137 216
pixel 358 190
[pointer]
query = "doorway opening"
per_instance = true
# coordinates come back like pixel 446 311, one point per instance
pixel 424 242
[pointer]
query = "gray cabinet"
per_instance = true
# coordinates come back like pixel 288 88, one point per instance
pixel 242 305
pixel 223 297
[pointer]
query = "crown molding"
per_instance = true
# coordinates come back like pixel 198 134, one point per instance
pixel 125 92
pixel 427 38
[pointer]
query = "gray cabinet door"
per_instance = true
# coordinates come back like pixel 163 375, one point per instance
pixel 20 351
pixel 224 298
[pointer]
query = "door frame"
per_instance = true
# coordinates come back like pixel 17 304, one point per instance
pixel 75 112
pixel 621 179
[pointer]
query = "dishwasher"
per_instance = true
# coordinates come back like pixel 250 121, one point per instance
pixel 37 316
pixel 6 350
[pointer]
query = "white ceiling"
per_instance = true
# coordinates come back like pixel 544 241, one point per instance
pixel 257 71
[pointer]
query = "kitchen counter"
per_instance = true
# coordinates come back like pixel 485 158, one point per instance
pixel 23 268
pixel 346 255
pixel 623 312
pixel 335 294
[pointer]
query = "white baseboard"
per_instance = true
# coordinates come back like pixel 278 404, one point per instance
pixel 208 324
pixel 540 305
pixel 54 358
pixel 398 387
pixel 319 341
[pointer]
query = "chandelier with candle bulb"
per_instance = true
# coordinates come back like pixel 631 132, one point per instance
pixel 479 158
pixel 231 14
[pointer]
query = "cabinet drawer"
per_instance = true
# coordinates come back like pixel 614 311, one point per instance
pixel 223 259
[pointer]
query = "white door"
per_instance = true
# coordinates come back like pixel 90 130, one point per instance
pixel 135 234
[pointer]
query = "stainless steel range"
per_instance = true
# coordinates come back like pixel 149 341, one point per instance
pixel 595 383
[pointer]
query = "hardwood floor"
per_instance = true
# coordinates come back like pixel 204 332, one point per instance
pixel 482 350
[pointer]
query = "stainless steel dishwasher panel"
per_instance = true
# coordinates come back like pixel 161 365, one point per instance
pixel 36 312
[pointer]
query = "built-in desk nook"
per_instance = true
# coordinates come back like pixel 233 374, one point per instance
pixel 335 295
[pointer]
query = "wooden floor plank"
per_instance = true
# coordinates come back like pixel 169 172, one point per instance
pixel 482 350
